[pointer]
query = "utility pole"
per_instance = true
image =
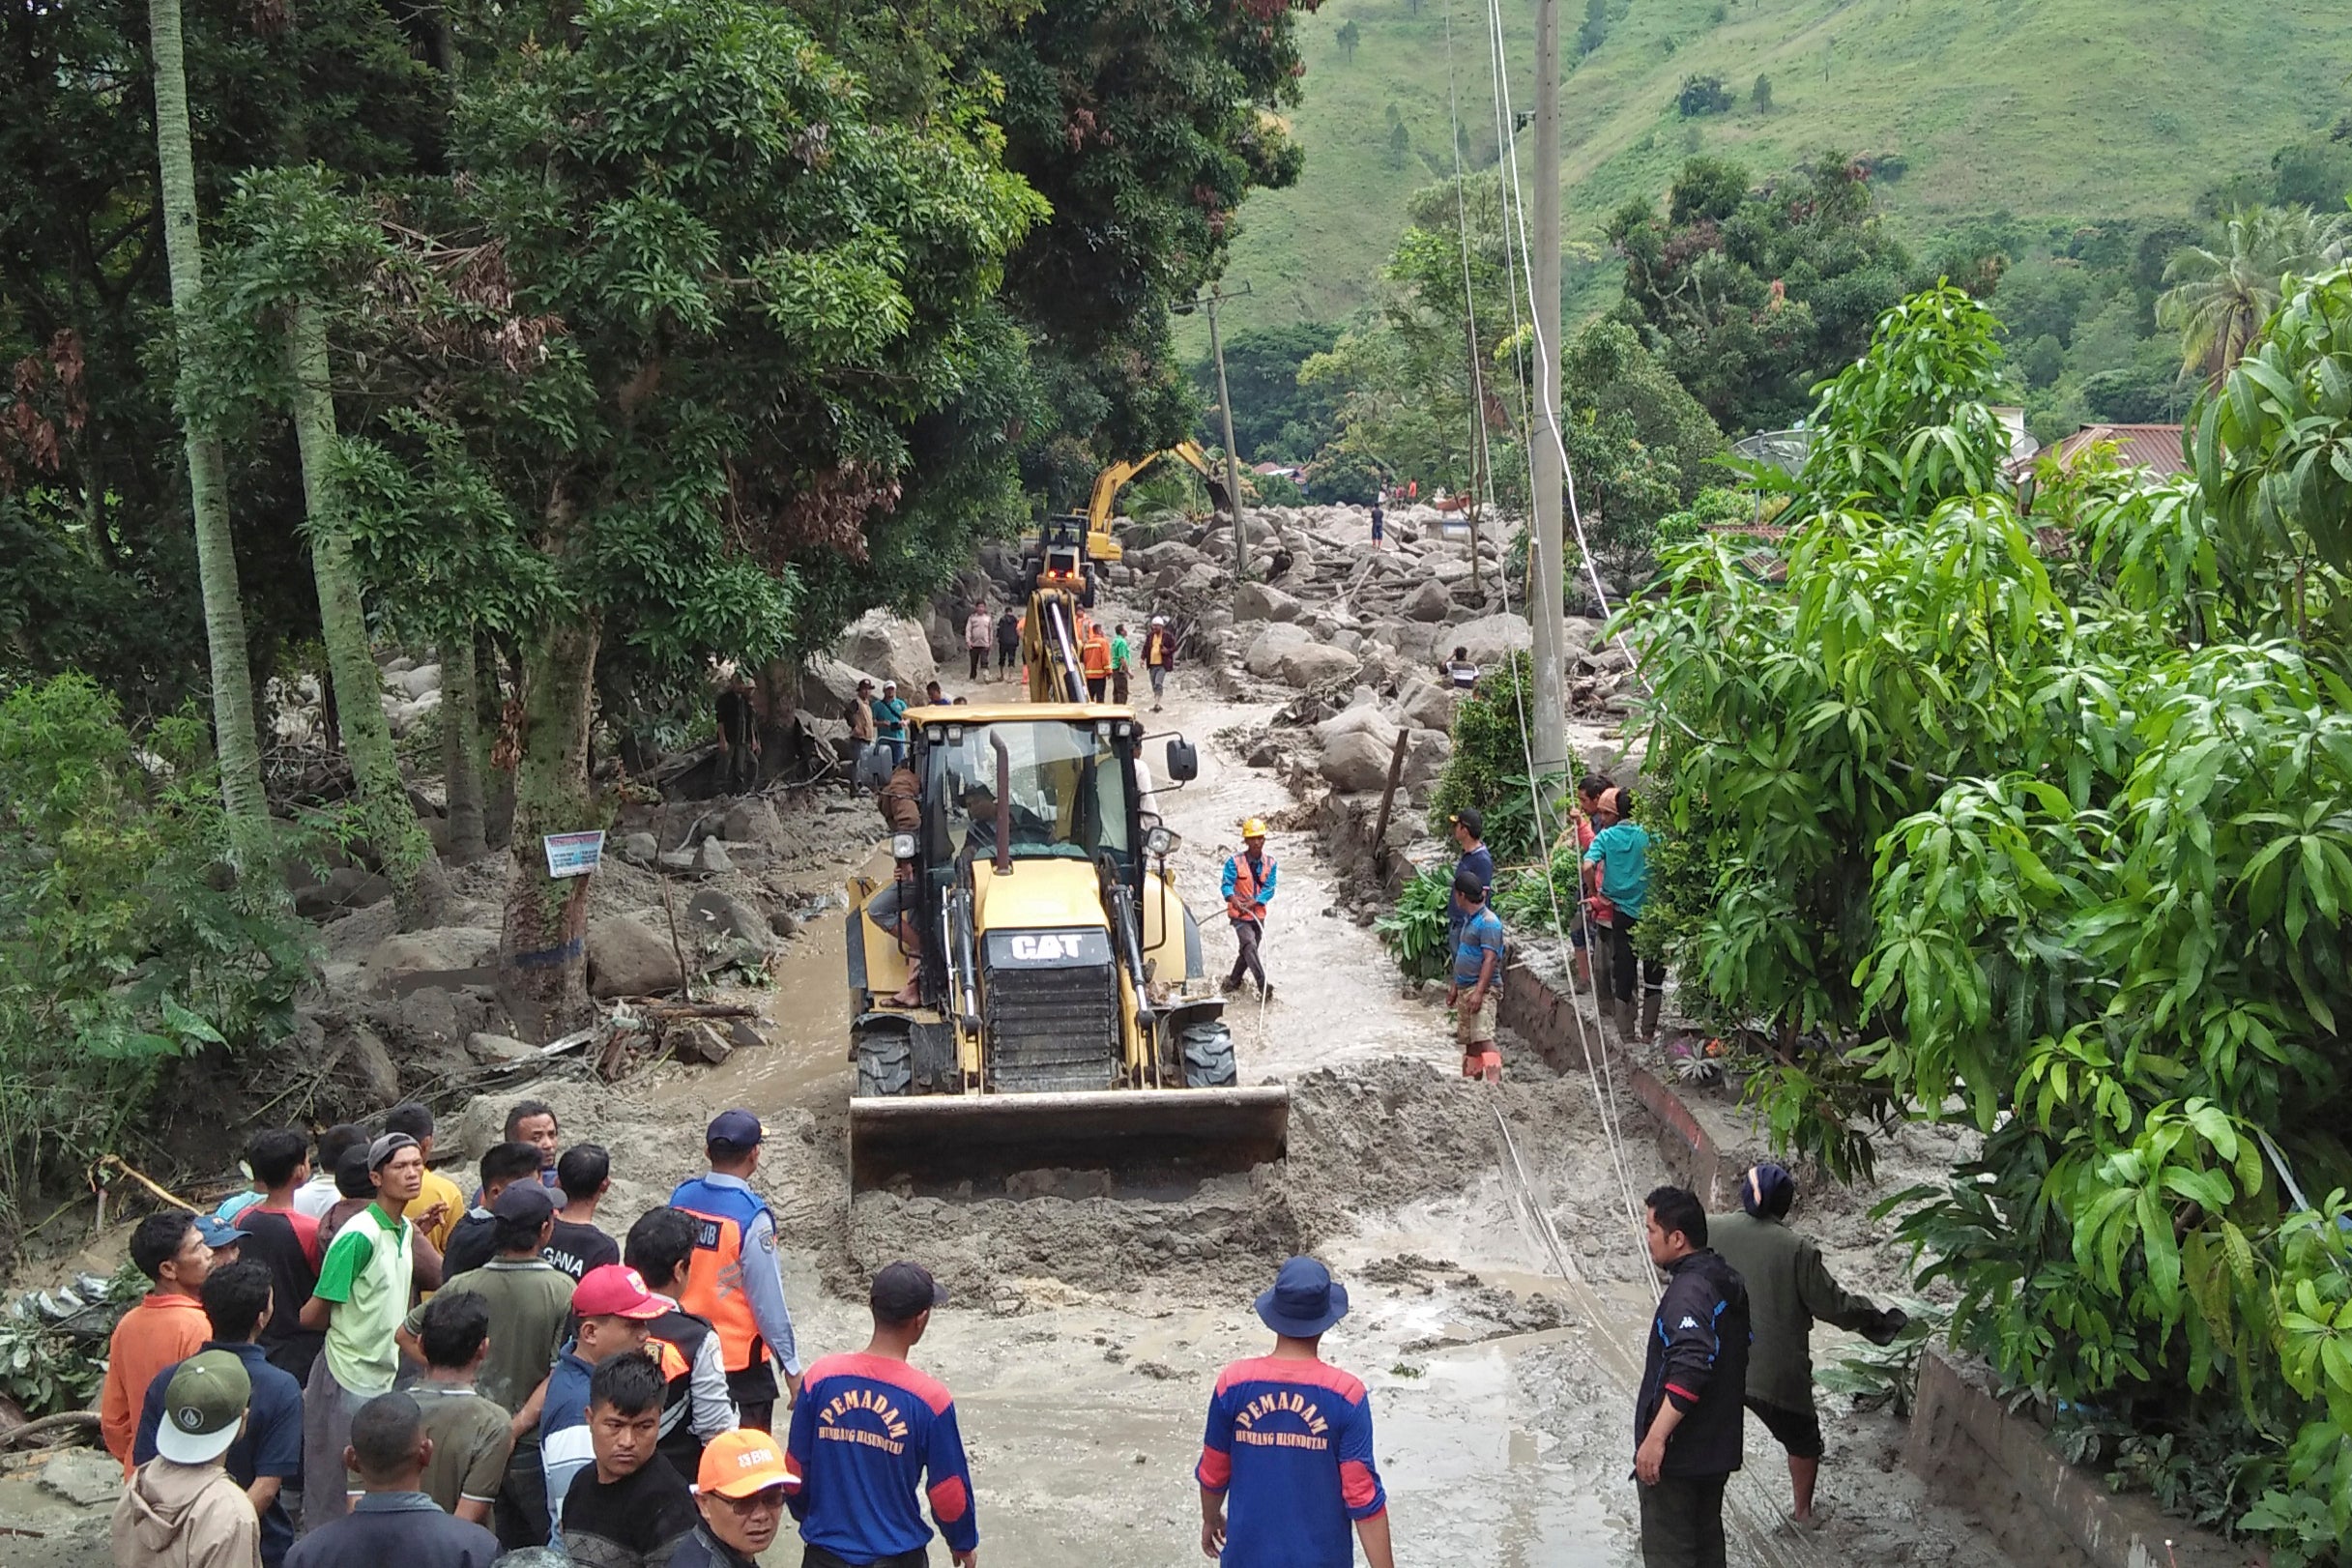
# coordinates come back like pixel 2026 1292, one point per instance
pixel 1225 412
pixel 1549 745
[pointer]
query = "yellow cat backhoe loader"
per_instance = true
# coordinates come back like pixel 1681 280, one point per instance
pixel 1064 1015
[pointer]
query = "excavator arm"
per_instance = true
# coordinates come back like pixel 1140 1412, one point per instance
pixel 1115 478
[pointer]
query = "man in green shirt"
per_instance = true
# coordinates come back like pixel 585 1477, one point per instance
pixel 1123 664
pixel 364 1284
pixel 1789 1289
pixel 529 1299
pixel 471 1436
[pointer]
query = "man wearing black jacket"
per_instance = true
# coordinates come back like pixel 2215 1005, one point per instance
pixel 1687 1419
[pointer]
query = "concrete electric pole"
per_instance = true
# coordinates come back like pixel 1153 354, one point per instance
pixel 1546 610
pixel 1225 412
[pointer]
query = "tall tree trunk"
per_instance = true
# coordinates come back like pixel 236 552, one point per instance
pixel 462 749
pixel 542 950
pixel 233 731
pixel 390 821
pixel 500 738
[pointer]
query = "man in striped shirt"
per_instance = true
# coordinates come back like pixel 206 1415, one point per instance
pixel 868 1432
pixel 1290 1444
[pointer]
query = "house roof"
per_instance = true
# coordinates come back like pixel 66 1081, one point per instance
pixel 2154 449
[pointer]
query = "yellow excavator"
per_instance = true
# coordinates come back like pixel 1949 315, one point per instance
pixel 1062 1015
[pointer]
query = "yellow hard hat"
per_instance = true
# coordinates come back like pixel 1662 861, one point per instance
pixel 1255 828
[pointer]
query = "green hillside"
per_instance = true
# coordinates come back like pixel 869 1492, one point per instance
pixel 2040 108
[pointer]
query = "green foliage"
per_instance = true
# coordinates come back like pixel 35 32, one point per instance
pixel 44 1370
pixel 1702 95
pixel 2219 298
pixel 2067 857
pixel 1748 296
pixel 1760 95
pixel 126 943
pixel 1489 768
pixel 1711 508
pixel 1886 1376
pixel 1275 418
pixel 1416 930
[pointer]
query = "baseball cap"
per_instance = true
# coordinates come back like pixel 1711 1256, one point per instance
pixel 524 1201
pixel 386 1147
pixel 218 1233
pixel 737 1128
pixel 902 1290
pixel 740 1463
pixel 616 1291
pixel 203 1408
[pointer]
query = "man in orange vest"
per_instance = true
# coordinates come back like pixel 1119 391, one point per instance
pixel 733 1278
pixel 1095 653
pixel 1249 887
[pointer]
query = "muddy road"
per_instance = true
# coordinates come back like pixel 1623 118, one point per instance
pixel 1500 1295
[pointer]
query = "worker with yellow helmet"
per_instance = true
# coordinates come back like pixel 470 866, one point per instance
pixel 1249 887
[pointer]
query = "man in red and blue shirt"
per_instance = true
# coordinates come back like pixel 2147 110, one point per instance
pixel 868 1430
pixel 1289 1444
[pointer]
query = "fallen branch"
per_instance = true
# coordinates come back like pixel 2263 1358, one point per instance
pixel 61 1421
pixel 124 1166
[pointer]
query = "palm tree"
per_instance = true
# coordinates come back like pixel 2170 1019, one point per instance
pixel 2220 299
pixel 233 732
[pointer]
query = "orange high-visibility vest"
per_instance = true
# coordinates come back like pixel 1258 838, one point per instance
pixel 715 1272
pixel 1097 656
pixel 1244 905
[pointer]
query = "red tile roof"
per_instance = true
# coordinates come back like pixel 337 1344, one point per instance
pixel 2155 448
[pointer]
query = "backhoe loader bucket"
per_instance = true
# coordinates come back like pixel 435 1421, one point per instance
pixel 1150 1135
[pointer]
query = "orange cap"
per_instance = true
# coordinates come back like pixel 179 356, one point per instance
pixel 740 1463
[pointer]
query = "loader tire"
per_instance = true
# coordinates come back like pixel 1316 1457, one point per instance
pixel 1208 1050
pixel 885 1064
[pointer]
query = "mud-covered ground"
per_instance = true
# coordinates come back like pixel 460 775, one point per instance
pixel 1486 1235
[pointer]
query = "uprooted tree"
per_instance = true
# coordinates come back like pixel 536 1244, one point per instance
pixel 2043 823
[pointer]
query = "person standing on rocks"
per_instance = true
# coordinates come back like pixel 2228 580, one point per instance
pixel 1287 1461
pixel 890 721
pixel 1789 1289
pixel 364 1285
pixel 181 1509
pixel 860 717
pixel 1617 866
pixel 1159 658
pixel 165 1327
pixel 738 737
pixel 1380 524
pixel 978 628
pixel 1009 643
pixel 872 1437
pixel 1094 657
pixel 1249 887
pixel 734 1279
pixel 394 1522
pixel 1687 1415
pixel 1478 959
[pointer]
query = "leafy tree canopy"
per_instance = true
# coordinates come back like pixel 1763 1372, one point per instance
pixel 1748 296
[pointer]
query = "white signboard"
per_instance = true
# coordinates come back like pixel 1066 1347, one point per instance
pixel 573 854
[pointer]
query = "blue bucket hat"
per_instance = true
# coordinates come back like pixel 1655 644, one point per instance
pixel 218 1233
pixel 1306 1300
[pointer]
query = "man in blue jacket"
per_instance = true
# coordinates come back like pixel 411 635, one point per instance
pixel 1687 1417
pixel 872 1437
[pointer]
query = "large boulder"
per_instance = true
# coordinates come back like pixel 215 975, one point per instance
pixel 891 648
pixel 828 686
pixel 1266 652
pixel 1428 602
pixel 415 682
pixel 1428 704
pixel 754 820
pixel 1262 601
pixel 1426 755
pixel 1362 718
pixel 1493 638
pixel 1358 762
pixel 1317 663
pixel 628 958
pixel 721 917
pixel 437 951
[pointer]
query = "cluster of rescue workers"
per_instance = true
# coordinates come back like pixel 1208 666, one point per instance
pixel 366 1369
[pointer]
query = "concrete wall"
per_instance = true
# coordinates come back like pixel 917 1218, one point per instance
pixel 1971 1450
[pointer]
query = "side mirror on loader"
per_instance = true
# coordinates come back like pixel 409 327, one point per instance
pixel 874 768
pixel 1183 760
